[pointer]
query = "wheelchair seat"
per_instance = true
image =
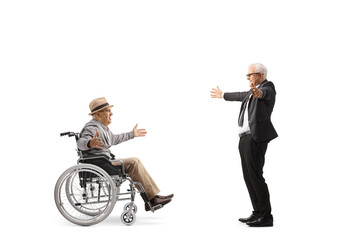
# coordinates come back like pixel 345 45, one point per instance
pixel 103 162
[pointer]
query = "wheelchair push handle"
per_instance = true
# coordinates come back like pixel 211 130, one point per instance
pixel 64 134
pixel 70 134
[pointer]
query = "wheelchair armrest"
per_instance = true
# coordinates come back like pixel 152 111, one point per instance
pixel 122 166
pixel 98 158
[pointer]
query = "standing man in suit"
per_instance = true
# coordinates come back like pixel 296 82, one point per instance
pixel 255 132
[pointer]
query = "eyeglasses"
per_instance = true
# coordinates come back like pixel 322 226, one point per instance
pixel 249 75
pixel 109 111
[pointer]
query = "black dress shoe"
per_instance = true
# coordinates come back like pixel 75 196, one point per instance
pixel 253 217
pixel 261 222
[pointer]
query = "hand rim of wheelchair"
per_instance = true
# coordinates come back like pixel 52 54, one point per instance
pixel 92 218
pixel 75 203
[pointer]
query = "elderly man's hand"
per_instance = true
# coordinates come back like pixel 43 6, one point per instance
pixel 95 142
pixel 216 92
pixel 139 132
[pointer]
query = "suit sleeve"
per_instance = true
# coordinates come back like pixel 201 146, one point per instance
pixel 235 96
pixel 268 92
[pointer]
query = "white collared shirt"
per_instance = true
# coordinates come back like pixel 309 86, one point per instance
pixel 246 127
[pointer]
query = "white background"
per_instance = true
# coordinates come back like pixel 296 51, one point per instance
pixel 157 61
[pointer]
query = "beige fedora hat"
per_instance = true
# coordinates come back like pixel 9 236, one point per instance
pixel 98 104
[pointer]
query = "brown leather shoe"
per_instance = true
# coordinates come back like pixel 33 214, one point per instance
pixel 165 197
pixel 156 201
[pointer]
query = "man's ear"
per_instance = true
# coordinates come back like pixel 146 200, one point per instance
pixel 262 77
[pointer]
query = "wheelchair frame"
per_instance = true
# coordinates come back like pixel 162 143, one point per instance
pixel 85 194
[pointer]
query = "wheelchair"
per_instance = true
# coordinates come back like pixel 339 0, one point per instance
pixel 85 194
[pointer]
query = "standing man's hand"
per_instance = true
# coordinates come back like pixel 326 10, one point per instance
pixel 95 142
pixel 139 132
pixel 255 91
pixel 216 92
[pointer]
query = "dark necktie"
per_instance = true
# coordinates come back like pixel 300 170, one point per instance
pixel 242 111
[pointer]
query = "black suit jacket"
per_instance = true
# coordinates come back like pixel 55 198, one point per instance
pixel 259 111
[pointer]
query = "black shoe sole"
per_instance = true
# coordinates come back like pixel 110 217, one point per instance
pixel 262 225
pixel 246 221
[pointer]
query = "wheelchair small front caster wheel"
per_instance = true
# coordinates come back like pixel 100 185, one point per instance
pixel 127 206
pixel 128 218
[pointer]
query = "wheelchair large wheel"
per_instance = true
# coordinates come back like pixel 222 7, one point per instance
pixel 75 196
pixel 85 194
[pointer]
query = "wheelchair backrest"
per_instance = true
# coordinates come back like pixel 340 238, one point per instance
pixel 98 160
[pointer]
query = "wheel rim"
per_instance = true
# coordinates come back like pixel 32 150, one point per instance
pixel 76 195
pixel 128 218
pixel 127 206
pixel 88 204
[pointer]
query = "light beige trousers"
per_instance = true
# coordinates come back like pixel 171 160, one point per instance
pixel 137 172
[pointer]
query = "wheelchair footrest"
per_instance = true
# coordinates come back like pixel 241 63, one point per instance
pixel 157 207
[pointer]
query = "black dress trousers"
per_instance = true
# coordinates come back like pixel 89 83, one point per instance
pixel 252 160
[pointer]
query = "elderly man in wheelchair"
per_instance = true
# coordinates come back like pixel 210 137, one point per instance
pixel 86 193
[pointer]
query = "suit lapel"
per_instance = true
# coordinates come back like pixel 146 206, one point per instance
pixel 245 101
pixel 250 99
pixel 260 85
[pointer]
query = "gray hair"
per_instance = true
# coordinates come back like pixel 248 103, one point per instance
pixel 259 68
